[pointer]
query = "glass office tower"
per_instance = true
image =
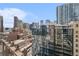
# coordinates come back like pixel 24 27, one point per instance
pixel 67 12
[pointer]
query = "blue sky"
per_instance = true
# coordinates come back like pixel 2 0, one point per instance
pixel 31 12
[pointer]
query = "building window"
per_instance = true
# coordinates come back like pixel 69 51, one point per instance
pixel 76 50
pixel 76 40
pixel 76 35
pixel 76 31
pixel 76 45
pixel 76 25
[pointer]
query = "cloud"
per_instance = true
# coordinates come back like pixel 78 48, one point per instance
pixel 9 13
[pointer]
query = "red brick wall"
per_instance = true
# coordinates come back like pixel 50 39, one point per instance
pixel 12 36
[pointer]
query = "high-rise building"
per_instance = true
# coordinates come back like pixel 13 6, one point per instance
pixel 67 12
pixel 63 44
pixel 41 22
pixel 42 44
pixel 75 26
pixel 65 39
pixel 1 23
pixel 15 21
pixel 60 40
pixel 56 39
pixel 20 24
pixel 47 21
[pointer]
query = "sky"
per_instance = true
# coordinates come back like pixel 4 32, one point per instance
pixel 27 12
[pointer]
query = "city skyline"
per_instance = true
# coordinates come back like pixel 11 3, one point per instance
pixel 29 12
pixel 23 36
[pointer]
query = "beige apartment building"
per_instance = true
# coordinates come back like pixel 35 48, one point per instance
pixel 62 37
pixel 65 38
pixel 75 26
